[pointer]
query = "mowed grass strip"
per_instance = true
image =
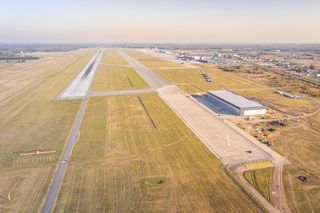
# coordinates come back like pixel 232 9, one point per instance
pixel 117 78
pixel 34 120
pixel 123 164
pixel 26 188
pixel 111 56
pixel 261 180
pixel 151 61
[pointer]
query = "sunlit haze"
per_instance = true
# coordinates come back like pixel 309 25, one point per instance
pixel 204 21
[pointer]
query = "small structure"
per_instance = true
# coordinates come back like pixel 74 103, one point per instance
pixel 236 103
pixel 206 76
pixel 288 95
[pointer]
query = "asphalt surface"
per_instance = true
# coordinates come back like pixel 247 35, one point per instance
pixel 79 87
pixel 121 92
pixel 153 79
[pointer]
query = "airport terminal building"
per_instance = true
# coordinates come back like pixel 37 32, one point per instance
pixel 236 103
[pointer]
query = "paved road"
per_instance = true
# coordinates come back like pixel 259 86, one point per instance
pixel 51 196
pixel 153 79
pixel 122 92
pixel 238 171
pixel 116 65
pixel 79 87
pixel 72 140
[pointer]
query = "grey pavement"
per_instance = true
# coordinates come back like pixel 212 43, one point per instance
pixel 79 87
pixel 121 92
pixel 153 79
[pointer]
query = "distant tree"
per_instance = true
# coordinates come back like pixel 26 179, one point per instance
pixel 312 67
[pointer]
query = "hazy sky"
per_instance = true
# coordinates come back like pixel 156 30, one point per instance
pixel 250 21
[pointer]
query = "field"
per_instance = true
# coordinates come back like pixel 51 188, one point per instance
pixel 151 61
pixel 117 78
pixel 261 180
pixel 32 120
pixel 301 145
pixel 299 142
pixel 124 163
pixel 111 56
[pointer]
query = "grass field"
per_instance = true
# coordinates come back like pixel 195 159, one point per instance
pixel 33 120
pixel 122 163
pixel 117 78
pixel 111 56
pixel 261 180
pixel 302 147
pixel 151 61
pixel 299 144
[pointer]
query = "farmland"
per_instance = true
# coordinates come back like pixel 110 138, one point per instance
pixel 117 78
pixel 32 120
pixel 124 163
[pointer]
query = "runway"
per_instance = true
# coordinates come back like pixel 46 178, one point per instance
pixel 79 87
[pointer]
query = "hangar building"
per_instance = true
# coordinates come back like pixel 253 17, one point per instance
pixel 236 103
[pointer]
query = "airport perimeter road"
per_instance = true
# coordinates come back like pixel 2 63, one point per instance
pixel 153 79
pixel 73 138
pixel 86 75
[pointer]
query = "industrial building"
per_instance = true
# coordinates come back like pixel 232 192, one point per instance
pixel 236 103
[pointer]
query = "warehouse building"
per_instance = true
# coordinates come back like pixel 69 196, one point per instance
pixel 236 103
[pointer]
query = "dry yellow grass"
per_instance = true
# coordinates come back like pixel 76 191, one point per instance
pixel 151 61
pixel 117 78
pixel 123 164
pixel 33 120
pixel 300 144
pixel 111 56
pixel 261 180
pixel 302 147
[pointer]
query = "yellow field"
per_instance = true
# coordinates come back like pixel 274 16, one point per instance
pixel 117 78
pixel 26 188
pixel 261 180
pixel 150 61
pixel 299 144
pixel 122 163
pixel 111 56
pixel 33 120
pixel 302 146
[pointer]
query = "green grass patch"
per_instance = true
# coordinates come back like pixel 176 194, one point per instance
pixel 117 78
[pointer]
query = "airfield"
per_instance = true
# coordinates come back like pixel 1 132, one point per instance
pixel 132 138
